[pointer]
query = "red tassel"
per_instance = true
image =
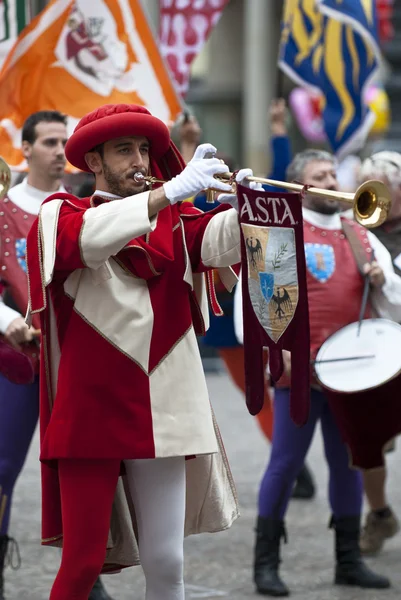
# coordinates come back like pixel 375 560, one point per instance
pixel 211 292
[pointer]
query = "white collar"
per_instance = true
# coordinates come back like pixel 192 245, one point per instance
pixel 107 195
pixel 320 220
pixel 29 198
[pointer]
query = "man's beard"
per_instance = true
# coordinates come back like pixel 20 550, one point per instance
pixel 325 206
pixel 116 186
pixel 329 208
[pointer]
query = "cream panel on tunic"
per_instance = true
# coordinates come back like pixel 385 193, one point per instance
pixel 48 226
pixel 221 243
pixel 181 411
pixel 124 316
pixel 109 227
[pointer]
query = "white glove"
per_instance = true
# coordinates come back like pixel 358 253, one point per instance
pixel 197 176
pixel 240 178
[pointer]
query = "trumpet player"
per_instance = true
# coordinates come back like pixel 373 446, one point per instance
pixel 122 294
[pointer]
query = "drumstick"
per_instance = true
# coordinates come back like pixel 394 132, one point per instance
pixel 364 297
pixel 329 360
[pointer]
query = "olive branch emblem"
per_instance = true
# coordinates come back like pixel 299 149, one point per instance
pixel 276 262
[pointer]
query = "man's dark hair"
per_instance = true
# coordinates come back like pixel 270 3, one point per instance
pixel 99 148
pixel 42 116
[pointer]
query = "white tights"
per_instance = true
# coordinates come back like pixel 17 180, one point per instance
pixel 157 487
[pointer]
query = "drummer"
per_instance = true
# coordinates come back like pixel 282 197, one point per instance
pixel 335 289
pixel 381 522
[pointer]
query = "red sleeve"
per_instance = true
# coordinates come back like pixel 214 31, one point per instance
pixel 68 250
pixel 195 223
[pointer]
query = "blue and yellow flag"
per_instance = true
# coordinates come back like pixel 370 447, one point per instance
pixel 331 47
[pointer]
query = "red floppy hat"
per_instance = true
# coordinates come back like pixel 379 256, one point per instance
pixel 113 121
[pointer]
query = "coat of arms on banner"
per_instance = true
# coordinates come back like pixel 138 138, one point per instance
pixel 272 276
pixel 320 261
pixel 91 50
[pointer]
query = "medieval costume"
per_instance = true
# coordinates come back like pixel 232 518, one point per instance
pixel 335 289
pixel 121 297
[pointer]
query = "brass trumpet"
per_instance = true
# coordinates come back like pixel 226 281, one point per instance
pixel 371 202
pixel 5 178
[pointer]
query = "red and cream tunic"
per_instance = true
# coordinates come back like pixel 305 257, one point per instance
pixel 121 288
pixel 121 299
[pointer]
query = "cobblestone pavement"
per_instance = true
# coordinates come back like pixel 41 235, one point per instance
pixel 219 565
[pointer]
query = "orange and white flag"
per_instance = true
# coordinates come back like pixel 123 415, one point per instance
pixel 75 56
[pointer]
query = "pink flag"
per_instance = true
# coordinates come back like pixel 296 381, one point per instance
pixel 185 26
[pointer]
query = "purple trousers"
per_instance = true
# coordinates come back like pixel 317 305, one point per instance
pixel 19 410
pixel 289 448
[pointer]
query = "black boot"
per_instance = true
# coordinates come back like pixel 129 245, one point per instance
pixel 304 488
pixel 350 568
pixel 98 591
pixel 9 556
pixel 267 557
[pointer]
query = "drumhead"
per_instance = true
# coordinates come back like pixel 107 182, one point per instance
pixel 379 343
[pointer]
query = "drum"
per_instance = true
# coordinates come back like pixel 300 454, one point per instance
pixel 361 376
pixel 349 362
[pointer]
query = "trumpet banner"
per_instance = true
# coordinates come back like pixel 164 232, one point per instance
pixel 77 55
pixel 274 295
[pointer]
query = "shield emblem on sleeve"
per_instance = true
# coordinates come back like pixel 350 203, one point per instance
pixel 20 251
pixel 320 261
pixel 272 276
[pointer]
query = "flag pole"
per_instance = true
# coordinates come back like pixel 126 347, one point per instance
pixel 280 82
